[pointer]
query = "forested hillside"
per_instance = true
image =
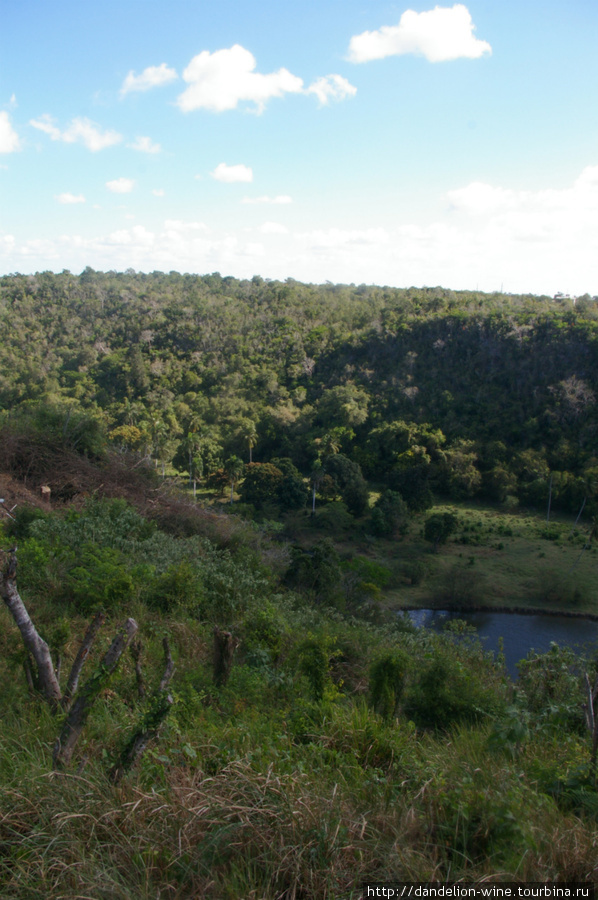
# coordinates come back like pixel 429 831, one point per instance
pixel 464 393
pixel 214 694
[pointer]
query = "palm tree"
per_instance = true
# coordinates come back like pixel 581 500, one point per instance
pixel 249 434
pixel 330 443
pixel 316 476
pixel 233 467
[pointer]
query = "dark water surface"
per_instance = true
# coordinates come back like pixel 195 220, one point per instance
pixel 521 633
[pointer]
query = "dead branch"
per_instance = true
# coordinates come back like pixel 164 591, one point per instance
pixel 79 661
pixel 168 667
pixel 36 646
pixel 79 712
pixel 160 705
pixel 592 721
pixel 147 732
pixel 136 648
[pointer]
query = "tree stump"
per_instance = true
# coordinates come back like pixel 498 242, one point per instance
pixel 224 650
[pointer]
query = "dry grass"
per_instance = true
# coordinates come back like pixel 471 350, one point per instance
pixel 250 834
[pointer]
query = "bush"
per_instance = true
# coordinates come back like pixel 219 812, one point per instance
pixel 390 516
pixel 446 692
pixel 333 518
pixel 22 518
pixel 292 492
pixel 387 678
pixel 438 528
pixel 316 570
pixel 415 571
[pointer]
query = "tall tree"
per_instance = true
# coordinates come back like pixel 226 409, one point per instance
pixel 234 468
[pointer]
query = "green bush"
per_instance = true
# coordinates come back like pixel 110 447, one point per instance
pixel 446 692
pixel 387 678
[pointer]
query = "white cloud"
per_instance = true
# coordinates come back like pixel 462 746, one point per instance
pixel 179 225
pixel 480 199
pixel 340 237
pixel 13 101
pixel 45 123
pixel 540 241
pixel 9 139
pixel 153 76
pixel 439 35
pixel 145 145
pixel 280 199
pixel 221 80
pixel 273 228
pixel 70 198
pixel 80 131
pixel 121 185
pixel 158 192
pixel 230 174
pixel 331 87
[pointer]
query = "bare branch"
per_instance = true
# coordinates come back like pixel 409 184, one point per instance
pixel 79 661
pixel 592 721
pixel 38 648
pixel 147 731
pixel 169 665
pixel 79 712
pixel 136 648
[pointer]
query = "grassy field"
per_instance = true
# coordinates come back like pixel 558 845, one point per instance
pixel 495 558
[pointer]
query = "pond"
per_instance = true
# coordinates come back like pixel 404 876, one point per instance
pixel 520 633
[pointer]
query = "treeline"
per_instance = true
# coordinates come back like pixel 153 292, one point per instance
pixel 420 391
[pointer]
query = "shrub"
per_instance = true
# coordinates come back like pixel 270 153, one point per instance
pixel 447 692
pixel 439 527
pixel 390 515
pixel 387 677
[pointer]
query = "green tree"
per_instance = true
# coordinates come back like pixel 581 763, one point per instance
pixel 234 469
pixel 439 527
pixel 316 476
pixel 248 432
pixel 390 515
pixel 261 483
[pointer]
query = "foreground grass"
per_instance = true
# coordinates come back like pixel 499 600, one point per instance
pixel 240 807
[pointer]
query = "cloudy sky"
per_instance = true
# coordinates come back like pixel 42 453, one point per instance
pixel 342 140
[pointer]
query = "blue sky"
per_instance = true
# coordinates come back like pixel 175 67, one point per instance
pixel 342 140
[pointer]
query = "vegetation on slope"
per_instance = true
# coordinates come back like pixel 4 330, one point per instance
pixel 342 746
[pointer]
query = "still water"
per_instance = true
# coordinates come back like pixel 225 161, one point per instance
pixel 520 633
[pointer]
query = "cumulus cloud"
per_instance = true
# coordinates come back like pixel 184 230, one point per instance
pixel 145 145
pixel 487 236
pixel 439 35
pixel 279 199
pixel 273 228
pixel 70 198
pixel 331 88
pixel 220 81
pixel 230 174
pixel 180 225
pixel 153 76
pixel 9 139
pixel 80 131
pixel 121 185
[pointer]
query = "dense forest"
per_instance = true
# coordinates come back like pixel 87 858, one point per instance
pixel 253 476
pixel 458 393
